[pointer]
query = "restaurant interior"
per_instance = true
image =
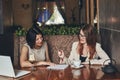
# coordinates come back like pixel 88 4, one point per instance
pixel 20 15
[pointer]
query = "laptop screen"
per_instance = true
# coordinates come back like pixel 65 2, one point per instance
pixel 6 67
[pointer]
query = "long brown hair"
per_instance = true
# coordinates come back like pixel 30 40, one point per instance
pixel 90 33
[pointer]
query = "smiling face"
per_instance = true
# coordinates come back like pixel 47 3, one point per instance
pixel 82 37
pixel 39 41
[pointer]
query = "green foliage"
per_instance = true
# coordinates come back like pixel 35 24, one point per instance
pixel 60 29
pixel 52 30
pixel 20 31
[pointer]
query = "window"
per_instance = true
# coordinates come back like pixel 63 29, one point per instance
pixel 49 13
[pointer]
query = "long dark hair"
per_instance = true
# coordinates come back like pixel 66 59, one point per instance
pixel 31 36
pixel 90 33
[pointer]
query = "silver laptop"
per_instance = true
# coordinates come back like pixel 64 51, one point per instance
pixel 6 68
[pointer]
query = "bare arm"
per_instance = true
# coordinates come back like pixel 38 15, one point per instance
pixel 23 58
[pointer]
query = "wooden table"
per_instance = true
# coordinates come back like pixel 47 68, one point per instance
pixel 85 73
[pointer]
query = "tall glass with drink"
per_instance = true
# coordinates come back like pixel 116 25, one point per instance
pixel 32 61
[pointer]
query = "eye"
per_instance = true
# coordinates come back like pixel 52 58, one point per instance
pixel 81 35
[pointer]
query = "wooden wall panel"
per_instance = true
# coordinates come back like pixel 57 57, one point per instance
pixel 109 22
pixel 1 18
pixel 6 20
pixel 109 14
pixel 22 14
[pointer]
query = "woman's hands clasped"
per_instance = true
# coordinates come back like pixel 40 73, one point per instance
pixel 45 63
pixel 61 55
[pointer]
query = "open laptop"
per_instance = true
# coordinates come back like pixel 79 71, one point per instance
pixel 6 68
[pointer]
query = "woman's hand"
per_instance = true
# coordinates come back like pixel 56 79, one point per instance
pixel 61 54
pixel 51 64
pixel 45 63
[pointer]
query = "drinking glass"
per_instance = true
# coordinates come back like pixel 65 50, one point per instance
pixel 32 61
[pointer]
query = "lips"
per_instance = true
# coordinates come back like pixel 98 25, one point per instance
pixel 82 41
pixel 40 44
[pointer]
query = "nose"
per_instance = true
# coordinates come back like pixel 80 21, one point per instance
pixel 40 39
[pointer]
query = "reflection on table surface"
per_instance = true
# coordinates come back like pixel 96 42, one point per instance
pixel 85 73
